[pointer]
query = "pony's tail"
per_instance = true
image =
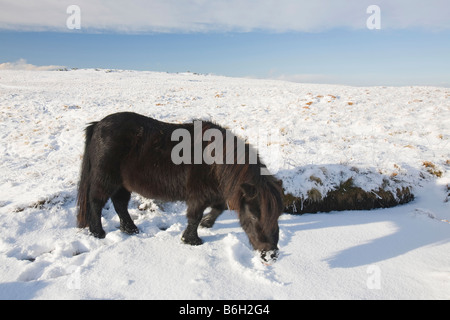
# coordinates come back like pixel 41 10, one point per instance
pixel 84 184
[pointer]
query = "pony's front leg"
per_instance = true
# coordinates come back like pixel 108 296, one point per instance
pixel 194 216
pixel 209 219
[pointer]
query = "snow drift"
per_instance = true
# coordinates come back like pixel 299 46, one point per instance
pixel 318 138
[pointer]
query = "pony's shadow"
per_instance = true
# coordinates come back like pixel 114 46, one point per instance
pixel 406 235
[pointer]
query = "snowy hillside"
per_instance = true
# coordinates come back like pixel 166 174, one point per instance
pixel 313 137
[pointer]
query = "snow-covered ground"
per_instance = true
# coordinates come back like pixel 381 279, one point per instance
pixel 309 135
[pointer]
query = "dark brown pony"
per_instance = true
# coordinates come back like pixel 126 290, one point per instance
pixel 127 152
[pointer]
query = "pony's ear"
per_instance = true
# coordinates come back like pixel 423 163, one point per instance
pixel 248 190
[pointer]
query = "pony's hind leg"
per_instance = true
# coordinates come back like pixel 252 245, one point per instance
pixel 120 201
pixel 210 218
pixel 95 216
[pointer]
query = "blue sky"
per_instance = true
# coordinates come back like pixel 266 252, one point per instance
pixel 408 49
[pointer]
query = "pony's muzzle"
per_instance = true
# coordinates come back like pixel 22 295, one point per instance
pixel 269 257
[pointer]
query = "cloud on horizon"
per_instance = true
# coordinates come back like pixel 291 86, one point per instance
pixel 364 80
pixel 22 64
pixel 143 16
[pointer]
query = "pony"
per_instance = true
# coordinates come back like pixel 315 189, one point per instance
pixel 127 152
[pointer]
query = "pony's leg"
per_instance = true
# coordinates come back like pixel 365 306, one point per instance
pixel 95 217
pixel 194 216
pixel 120 201
pixel 209 219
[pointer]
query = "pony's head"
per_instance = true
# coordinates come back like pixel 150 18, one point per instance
pixel 259 209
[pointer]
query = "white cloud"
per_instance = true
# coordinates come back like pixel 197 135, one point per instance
pixel 370 79
pixel 308 78
pixel 22 64
pixel 221 15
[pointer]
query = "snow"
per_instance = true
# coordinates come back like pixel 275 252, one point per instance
pixel 311 136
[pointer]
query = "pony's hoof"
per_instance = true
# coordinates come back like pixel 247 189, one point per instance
pixel 192 241
pixel 129 229
pixel 99 234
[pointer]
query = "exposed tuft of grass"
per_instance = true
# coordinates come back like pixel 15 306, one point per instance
pixel 346 197
pixel 431 168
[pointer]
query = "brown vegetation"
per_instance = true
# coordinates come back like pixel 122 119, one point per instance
pixel 346 197
pixel 431 168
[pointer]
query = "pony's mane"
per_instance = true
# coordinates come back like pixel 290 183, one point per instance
pixel 271 194
pixel 232 176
